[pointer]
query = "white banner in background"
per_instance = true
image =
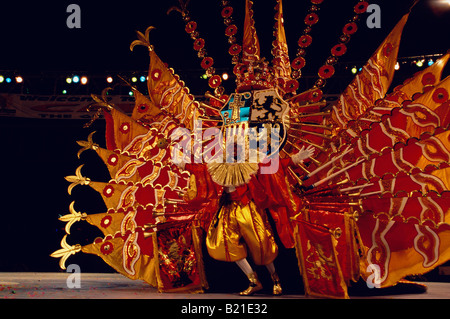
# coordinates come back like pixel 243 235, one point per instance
pixel 56 106
pixel 69 106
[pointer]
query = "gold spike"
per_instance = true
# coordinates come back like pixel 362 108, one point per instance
pixel 354 195
pixel 285 152
pixel 127 83
pixel 73 217
pixel 367 120
pixel 315 161
pixel 208 140
pixel 337 204
pixel 148 234
pixel 148 229
pixel 344 181
pixel 349 189
pixel 307 142
pixel 302 93
pixel 371 193
pixel 303 168
pixel 209 119
pixel 209 95
pixel 298 179
pixel 292 144
pixel 328 137
pixel 77 179
pixel 157 214
pixel 173 201
pixel 310 105
pixel 353 204
pixel 331 161
pixel 326 113
pixel 65 252
pixel 87 145
pixel 149 226
pixel 209 106
pixel 337 173
pixel 326 127
pixel 181 193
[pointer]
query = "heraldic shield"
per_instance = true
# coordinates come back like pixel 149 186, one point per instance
pixel 256 120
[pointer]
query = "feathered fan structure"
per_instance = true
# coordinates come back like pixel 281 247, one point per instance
pixel 373 201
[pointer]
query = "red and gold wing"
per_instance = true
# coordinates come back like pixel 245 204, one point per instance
pixel 380 181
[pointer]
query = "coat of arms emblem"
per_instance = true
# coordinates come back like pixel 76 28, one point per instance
pixel 257 119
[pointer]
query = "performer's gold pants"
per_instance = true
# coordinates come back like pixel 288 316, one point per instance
pixel 237 228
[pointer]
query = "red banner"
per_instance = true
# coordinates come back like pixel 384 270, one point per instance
pixel 321 272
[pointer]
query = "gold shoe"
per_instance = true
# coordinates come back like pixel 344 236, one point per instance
pixel 254 286
pixel 276 284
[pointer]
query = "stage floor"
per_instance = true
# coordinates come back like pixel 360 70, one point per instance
pixel 115 286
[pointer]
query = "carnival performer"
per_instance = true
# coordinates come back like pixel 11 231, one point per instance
pixel 241 226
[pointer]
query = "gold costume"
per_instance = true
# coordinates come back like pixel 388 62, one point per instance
pixel 239 227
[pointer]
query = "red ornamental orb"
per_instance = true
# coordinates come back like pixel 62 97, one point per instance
pixel 227 12
pixel 315 96
pixel 125 127
pixel 350 28
pixel 339 49
pixel 387 50
pixel 304 41
pixel 207 63
pixel 156 74
pixel 230 30
pixel 235 49
pixel 215 81
pixel 107 248
pixel 113 159
pixel 291 86
pixel 298 63
pixel 440 95
pixel 361 7
pixel 428 79
pixel 108 191
pixel 326 71
pixel 199 44
pixel 190 26
pixel 316 1
pixel 250 50
pixel 142 108
pixel 106 221
pixel 311 19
